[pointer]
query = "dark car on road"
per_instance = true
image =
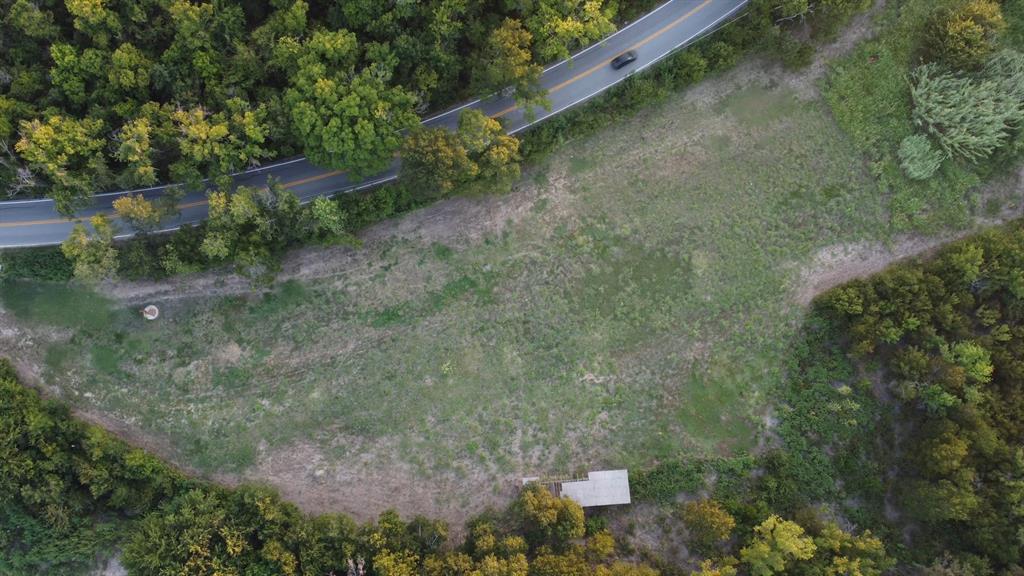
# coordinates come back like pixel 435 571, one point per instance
pixel 623 59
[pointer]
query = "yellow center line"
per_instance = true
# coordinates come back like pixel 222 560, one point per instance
pixel 33 222
pixel 601 65
pixel 302 181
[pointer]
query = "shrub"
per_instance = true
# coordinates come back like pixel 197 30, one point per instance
pixel 721 54
pixel 918 158
pixel 663 482
pixel 690 68
pixel 970 117
pixel 709 523
pixel 365 208
pixel 793 53
pixel 963 37
pixel 48 264
pixel 137 259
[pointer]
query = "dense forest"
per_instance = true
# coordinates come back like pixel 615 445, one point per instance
pixel 124 93
pixel 102 94
pixel 948 339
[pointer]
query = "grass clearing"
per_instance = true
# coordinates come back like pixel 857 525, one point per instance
pixel 60 305
pixel 634 311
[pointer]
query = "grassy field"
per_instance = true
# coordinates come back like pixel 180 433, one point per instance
pixel 630 303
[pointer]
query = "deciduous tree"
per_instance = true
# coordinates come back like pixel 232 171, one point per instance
pixel 135 150
pixel 346 119
pixel 95 19
pixel 709 524
pixel 221 143
pixel 842 553
pixel 76 73
pixel 496 153
pixel 31 20
pixel 964 36
pixel 711 568
pixel 547 518
pixel 507 62
pixel 93 254
pixel 69 153
pixel 560 27
pixel 137 211
pixel 251 226
pixel 775 545
pixel 130 72
pixel 437 159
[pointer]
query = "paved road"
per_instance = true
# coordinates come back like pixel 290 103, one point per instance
pixel 588 73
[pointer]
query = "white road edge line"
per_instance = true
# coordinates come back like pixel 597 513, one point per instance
pixel 392 177
pixel 638 69
pixel 431 119
pixel 569 60
pixel 602 41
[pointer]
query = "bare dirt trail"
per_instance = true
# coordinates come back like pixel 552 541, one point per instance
pixel 836 265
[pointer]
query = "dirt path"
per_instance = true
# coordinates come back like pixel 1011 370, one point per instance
pixel 836 265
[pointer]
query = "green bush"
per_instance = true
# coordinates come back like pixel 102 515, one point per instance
pixel 970 117
pixel 793 53
pixel 47 264
pixel 721 55
pixel 918 158
pixel 372 206
pixel 665 481
pixel 964 36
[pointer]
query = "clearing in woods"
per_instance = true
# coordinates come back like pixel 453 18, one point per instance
pixel 631 301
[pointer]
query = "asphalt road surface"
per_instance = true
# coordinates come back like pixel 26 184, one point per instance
pixel 588 73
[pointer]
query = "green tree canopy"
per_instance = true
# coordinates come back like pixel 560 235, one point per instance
pixel 964 36
pixel 507 62
pixel 546 518
pixel 775 545
pixel 560 27
pixel 346 119
pixel 221 143
pixel 68 152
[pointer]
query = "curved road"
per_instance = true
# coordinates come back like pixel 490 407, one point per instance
pixel 668 27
